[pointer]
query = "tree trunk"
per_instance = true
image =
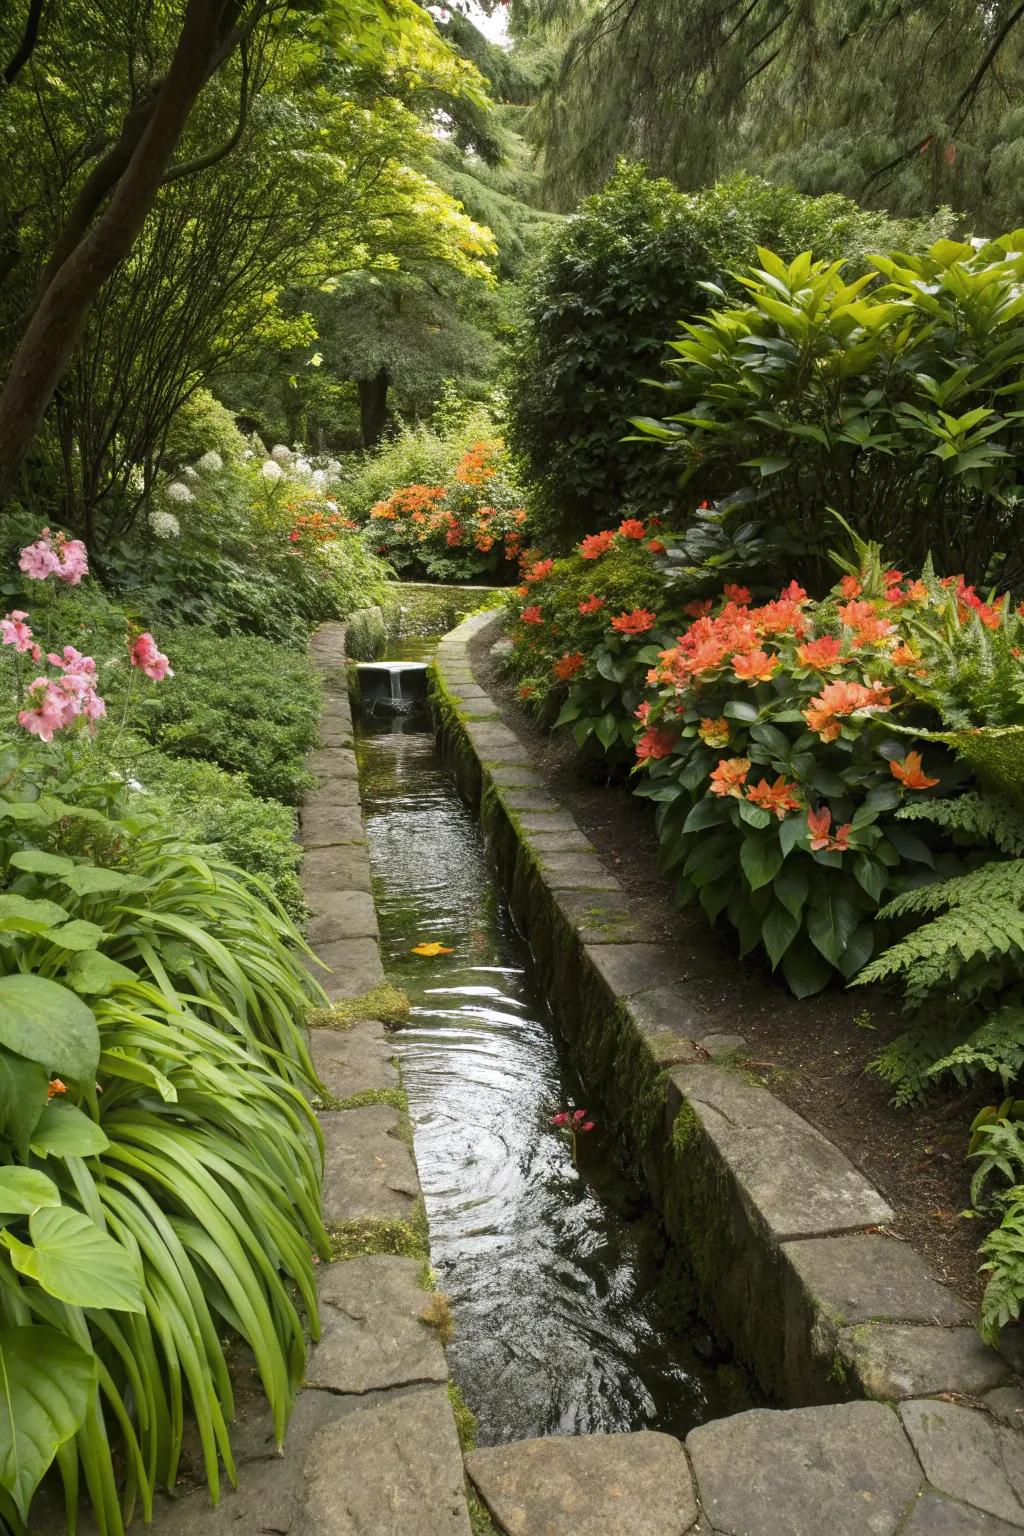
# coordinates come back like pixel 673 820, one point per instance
pixel 373 407
pixel 53 331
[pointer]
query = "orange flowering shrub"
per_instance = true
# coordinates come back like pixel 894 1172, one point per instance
pixel 473 527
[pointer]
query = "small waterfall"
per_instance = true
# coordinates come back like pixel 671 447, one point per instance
pixel 392 687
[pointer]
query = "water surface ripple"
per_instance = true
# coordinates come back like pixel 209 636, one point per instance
pixel 563 1321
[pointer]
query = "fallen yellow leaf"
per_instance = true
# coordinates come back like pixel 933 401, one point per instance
pixel 431 949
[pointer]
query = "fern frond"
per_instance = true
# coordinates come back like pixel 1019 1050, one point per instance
pixel 1003 1251
pixel 998 883
pixel 996 1047
pixel 980 817
pixel 906 1062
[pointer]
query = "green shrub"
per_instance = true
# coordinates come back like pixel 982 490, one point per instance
pixel 207 805
pixel 420 454
pixel 887 398
pixel 248 705
pixel 602 309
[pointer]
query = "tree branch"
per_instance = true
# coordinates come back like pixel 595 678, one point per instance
pixel 204 162
pixel 29 38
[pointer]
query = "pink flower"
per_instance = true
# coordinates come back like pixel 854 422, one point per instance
pixel 14 631
pixel 154 663
pixel 74 562
pixel 562 1119
pixel 51 711
pixel 39 560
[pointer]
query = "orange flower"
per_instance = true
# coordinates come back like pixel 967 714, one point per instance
pixel 714 733
pixel 474 467
pixel 653 744
pixel 820 654
pixel 539 570
pixel 655 546
pixel 632 528
pixel 824 841
pixel 738 595
pixel 757 667
pixel 837 699
pixel 568 665
pixel 777 798
pixel 532 615
pixel 597 544
pixel 909 772
pixel 903 656
pixel 591 605
pixel 698 608
pixel 794 593
pixel 850 587
pixel 526 691
pixel 384 512
pixel 484 543
pixel 635 623
pixel 729 776
pixel 55 1087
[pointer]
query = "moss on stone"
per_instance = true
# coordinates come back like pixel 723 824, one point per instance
pixel 480 1522
pixel 437 1313
pixel 384 1002
pixel 396 1097
pixel 465 1419
pixel 399 1239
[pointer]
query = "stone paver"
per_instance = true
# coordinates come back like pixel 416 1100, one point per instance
pixel 969 1456
pixel 843 1470
pixel 330 763
pixel 328 825
pixel 933 1515
pixel 719 1047
pixel 342 868
pixel 898 1360
pixel 664 1009
pixel 374 1335
pixel 355 1060
pixel 860 1278
pixel 368 1172
pixel 393 1469
pixel 353 967
pixel 1007 1403
pixel 604 918
pixel 576 872
pixel 338 915
pixel 589 1485
pixel 333 792
pixel 627 969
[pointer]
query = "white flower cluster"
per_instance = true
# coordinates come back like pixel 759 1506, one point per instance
pixel 179 491
pixel 189 473
pixel 164 524
pixel 272 472
pixel 211 463
pixel 280 453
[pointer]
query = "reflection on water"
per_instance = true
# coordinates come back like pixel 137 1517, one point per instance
pixel 553 1273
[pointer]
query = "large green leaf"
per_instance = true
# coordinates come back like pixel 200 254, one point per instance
pixel 23 1190
pixel 22 1097
pixel 47 1023
pixel 761 858
pixel 23 914
pixel 89 880
pixel 76 935
pixel 94 974
pixel 64 1131
pixel 778 931
pixel 830 925
pixel 47 1382
pixel 76 1261
pixel 36 862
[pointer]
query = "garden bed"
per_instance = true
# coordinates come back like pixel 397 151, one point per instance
pixel 813 1054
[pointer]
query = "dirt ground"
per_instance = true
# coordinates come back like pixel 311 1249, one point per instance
pixel 814 1053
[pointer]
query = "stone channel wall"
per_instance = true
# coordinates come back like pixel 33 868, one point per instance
pixel 785 1236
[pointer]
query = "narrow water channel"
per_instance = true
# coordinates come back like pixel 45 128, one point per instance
pixel 564 1320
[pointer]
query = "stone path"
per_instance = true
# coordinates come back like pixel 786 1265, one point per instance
pixel 795 1261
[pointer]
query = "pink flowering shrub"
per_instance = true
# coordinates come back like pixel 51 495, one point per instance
pixel 64 693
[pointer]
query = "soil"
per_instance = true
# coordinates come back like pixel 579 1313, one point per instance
pixel 815 1054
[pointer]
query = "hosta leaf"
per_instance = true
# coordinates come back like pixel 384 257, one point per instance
pixel 24 914
pixel 76 935
pixel 94 975
pixel 36 862
pixel 64 1131
pixel 90 880
pixel 76 1261
pixel 47 1023
pixel 791 886
pixel 22 1098
pixel 23 1190
pixel 46 1385
pixel 805 970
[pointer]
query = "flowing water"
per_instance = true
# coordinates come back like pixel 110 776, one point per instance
pixel 564 1320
